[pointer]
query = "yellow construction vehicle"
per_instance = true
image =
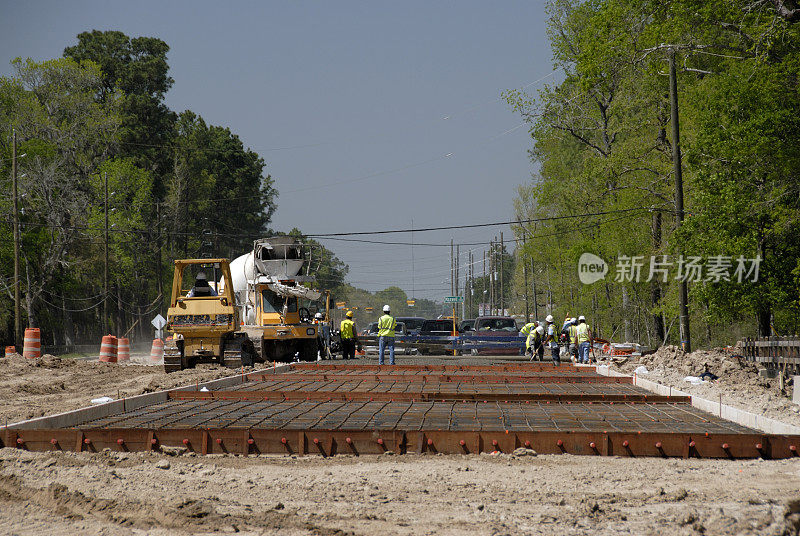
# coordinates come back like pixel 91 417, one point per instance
pixel 203 317
pixel 251 309
pixel 270 290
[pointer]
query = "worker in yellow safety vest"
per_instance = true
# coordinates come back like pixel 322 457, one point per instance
pixel 572 338
pixel 526 332
pixel 535 343
pixel 347 333
pixel 585 339
pixel 386 326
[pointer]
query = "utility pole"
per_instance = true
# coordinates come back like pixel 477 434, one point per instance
pixel 17 315
pixel 105 269
pixel 502 290
pixel 159 267
pixel 483 296
pixel 676 160
pixel 451 268
pixel 533 281
pixel 525 277
pixel 491 277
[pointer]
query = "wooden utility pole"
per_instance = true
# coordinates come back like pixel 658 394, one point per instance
pixel 15 218
pixel 491 278
pixel 483 296
pixel 160 267
pixel 451 267
pixel 533 284
pixel 502 290
pixel 676 161
pixel 525 277
pixel 105 268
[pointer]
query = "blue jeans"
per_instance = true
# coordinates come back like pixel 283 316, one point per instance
pixel 555 352
pixel 383 343
pixel 583 352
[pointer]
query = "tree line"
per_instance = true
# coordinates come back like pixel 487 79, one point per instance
pixel 604 178
pixel 95 140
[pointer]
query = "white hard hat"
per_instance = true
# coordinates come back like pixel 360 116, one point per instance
pixel 574 320
pixel 581 318
pixel 385 308
pixel 318 316
pixel 540 330
pixel 549 319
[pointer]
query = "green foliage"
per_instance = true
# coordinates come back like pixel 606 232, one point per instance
pixel 601 144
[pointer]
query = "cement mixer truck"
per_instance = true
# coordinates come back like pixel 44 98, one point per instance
pixel 268 292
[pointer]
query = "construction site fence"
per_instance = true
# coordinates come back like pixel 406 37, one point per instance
pixel 772 351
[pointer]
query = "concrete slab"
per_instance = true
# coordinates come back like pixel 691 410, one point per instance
pixel 715 407
pixel 74 417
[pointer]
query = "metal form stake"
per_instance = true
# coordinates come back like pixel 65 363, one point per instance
pixel 17 315
pixel 676 160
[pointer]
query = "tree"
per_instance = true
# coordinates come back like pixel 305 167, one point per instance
pixel 217 190
pixel 66 133
pixel 138 68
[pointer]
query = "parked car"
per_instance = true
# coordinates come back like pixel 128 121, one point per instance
pixel 438 328
pixel 496 326
pixel 413 323
pixel 467 325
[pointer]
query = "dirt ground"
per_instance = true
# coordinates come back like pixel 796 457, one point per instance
pixel 107 493
pixel 48 385
pixel 126 494
pixel 739 383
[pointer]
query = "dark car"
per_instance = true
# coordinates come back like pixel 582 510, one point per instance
pixel 496 326
pixel 466 325
pixel 435 328
pixel 413 323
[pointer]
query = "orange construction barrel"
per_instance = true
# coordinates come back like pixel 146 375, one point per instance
pixel 157 350
pixel 108 349
pixel 123 349
pixel 32 347
pixel 11 350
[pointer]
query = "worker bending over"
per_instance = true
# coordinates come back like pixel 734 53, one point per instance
pixel 552 340
pixel 535 343
pixel 526 331
pixel 386 326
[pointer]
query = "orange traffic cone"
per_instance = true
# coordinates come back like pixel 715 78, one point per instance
pixel 33 343
pixel 157 350
pixel 123 350
pixel 108 349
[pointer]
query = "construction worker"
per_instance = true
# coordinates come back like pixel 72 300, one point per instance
pixel 386 325
pixel 572 338
pixel 323 336
pixel 526 332
pixel 348 336
pixel 535 342
pixel 585 340
pixel 552 340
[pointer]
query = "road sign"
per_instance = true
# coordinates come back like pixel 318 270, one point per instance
pixel 340 304
pixel 411 303
pixel 453 299
pixel 158 322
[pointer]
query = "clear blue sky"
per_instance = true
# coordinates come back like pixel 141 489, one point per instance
pixel 368 114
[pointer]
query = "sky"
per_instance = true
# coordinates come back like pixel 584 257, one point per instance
pixel 370 115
